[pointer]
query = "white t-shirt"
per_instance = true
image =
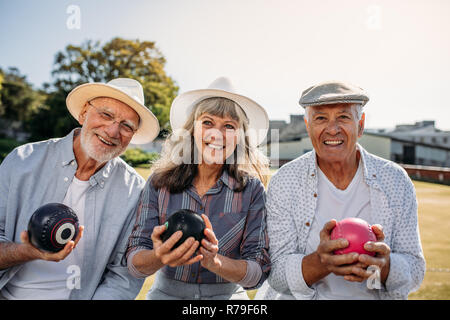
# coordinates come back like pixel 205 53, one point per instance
pixel 333 203
pixel 39 279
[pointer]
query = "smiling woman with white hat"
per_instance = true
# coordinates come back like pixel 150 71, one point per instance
pixel 210 164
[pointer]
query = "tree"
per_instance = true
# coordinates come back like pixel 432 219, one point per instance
pixel 53 119
pixel 18 101
pixel 2 108
pixel 140 60
pixel 18 98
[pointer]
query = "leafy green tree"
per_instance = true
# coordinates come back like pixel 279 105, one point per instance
pixel 52 120
pixel 18 101
pixel 140 60
pixel 18 98
pixel 2 108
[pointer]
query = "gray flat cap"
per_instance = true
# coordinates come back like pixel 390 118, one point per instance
pixel 332 92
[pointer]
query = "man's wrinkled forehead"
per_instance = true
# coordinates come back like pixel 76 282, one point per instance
pixel 335 108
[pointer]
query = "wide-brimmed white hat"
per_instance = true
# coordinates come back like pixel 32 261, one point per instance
pixel 129 91
pixel 183 105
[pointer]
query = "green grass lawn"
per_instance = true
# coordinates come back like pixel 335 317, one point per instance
pixel 434 224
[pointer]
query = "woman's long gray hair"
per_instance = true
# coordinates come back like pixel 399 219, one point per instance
pixel 177 167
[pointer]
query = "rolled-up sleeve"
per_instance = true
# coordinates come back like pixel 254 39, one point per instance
pixel 286 275
pixel 147 218
pixel 255 243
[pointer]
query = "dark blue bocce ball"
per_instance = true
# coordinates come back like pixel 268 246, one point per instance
pixel 51 226
pixel 187 221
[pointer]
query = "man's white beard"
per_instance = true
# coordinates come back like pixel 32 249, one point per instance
pixel 91 151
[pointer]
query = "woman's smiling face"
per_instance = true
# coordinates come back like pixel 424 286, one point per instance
pixel 215 137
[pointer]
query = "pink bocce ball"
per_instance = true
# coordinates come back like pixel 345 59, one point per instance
pixel 357 232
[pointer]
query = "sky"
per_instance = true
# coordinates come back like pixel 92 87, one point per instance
pixel 272 50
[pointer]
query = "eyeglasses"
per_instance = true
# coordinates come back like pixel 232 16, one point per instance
pixel 126 129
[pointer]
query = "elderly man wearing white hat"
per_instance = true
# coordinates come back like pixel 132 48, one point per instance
pixel 222 179
pixel 84 172
pixel 337 180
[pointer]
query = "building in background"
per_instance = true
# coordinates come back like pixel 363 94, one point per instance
pixel 420 144
pixel 421 148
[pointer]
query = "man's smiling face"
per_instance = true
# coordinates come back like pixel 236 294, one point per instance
pixel 101 140
pixel 334 130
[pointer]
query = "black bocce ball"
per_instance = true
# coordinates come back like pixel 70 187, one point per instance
pixel 51 226
pixel 187 221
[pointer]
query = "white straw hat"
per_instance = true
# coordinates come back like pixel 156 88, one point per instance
pixel 184 103
pixel 130 92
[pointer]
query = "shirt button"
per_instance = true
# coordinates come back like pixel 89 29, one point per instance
pixel 73 163
pixel 307 224
pixel 66 179
pixel 315 195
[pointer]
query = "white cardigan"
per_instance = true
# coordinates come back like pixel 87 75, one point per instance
pixel 291 205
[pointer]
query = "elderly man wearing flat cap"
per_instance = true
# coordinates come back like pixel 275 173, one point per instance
pixel 337 180
pixel 84 172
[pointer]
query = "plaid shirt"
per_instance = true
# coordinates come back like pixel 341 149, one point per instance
pixel 238 220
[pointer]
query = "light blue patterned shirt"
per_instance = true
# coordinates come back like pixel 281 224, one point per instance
pixel 291 205
pixel 41 172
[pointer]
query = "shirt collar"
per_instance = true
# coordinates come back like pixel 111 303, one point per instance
pixel 228 180
pixel 67 157
pixel 103 174
pixel 369 171
pixel 224 179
